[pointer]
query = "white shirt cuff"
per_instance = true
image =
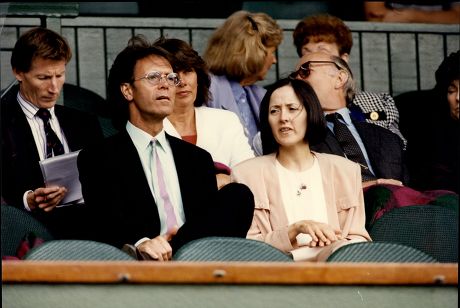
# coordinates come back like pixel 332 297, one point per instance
pixel 24 200
pixel 141 241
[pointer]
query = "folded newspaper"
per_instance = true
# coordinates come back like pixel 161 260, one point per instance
pixel 62 170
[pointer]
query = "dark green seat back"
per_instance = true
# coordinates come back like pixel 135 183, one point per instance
pixel 432 229
pixel 86 100
pixel 230 249
pixel 379 252
pixel 77 250
pixel 16 224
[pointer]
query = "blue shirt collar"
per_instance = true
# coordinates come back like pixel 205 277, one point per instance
pixel 237 90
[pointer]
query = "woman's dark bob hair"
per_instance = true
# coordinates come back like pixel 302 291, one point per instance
pixel 316 124
pixel 186 59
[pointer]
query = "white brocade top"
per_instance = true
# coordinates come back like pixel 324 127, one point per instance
pixel 303 197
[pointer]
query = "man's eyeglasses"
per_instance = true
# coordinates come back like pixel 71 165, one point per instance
pixel 155 78
pixel 305 70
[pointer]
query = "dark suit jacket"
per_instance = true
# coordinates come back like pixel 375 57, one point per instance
pixel 20 167
pixel 384 148
pixel 433 140
pixel 121 204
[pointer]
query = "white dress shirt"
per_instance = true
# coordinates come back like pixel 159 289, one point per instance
pixel 141 141
pixel 38 131
pixel 38 128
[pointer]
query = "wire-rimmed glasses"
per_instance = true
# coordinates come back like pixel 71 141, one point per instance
pixel 155 78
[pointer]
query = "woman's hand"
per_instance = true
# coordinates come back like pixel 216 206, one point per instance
pixel 322 234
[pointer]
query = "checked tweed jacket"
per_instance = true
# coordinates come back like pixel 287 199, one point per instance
pixel 384 105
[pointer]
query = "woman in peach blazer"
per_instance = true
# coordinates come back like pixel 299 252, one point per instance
pixel 306 203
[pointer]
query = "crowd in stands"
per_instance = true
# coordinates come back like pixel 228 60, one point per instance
pixel 410 11
pixel 202 150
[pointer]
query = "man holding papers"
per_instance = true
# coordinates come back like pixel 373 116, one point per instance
pixel 34 128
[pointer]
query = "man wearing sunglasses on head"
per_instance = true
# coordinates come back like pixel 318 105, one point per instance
pixel 329 34
pixel 378 151
pixel 147 190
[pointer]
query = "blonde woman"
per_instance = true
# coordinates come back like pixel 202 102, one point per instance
pixel 239 53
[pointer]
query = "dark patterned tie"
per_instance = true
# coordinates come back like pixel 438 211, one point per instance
pixel 53 144
pixel 349 145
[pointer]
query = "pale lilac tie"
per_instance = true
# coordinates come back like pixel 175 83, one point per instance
pixel 171 221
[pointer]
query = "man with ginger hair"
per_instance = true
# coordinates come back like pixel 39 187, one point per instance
pixel 35 127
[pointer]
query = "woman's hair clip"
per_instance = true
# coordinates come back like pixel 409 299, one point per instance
pixel 253 23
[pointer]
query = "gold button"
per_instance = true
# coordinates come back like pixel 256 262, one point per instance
pixel 374 116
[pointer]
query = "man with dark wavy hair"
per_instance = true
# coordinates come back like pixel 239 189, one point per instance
pixel 144 187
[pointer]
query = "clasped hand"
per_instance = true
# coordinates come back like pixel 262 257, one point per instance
pixel 46 198
pixel 322 234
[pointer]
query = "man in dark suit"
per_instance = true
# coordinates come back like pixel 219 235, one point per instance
pixel 382 150
pixel 39 61
pixel 329 34
pixel 437 135
pixel 144 187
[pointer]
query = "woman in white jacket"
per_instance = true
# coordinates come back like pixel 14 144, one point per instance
pixel 220 132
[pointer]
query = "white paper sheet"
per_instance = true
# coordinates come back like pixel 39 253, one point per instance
pixel 62 170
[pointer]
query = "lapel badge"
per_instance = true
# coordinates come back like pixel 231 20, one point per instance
pixel 374 115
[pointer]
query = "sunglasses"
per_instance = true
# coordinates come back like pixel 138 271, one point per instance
pixel 305 70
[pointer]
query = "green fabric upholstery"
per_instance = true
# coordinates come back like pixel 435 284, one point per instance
pixel 16 224
pixel 230 249
pixel 432 229
pixel 91 102
pixel 379 252
pixel 77 250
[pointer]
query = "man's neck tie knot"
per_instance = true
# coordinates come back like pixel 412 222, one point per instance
pixel 349 145
pixel 53 144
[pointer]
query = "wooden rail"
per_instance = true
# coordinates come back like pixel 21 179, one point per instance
pixel 97 272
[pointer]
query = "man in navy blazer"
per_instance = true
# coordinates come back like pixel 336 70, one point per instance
pixel 38 61
pixel 332 80
pixel 120 177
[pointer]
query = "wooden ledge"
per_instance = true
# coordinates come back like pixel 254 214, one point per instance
pixel 230 273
